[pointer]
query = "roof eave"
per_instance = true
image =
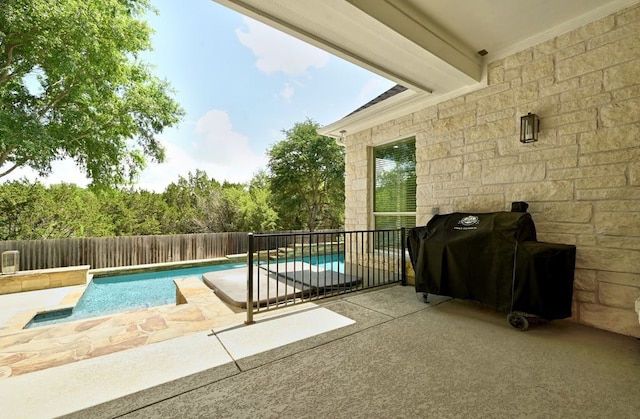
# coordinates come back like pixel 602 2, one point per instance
pixel 394 107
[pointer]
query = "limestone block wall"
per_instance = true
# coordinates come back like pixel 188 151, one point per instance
pixel 44 278
pixel 581 179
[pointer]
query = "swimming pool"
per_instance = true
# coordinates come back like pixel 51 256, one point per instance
pixel 116 294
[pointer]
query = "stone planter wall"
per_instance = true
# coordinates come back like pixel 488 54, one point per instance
pixel 44 279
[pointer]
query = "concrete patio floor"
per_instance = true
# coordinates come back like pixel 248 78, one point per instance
pixel 382 353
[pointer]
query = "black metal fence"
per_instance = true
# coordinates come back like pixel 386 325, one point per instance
pixel 292 268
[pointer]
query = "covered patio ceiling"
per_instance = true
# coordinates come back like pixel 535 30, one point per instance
pixel 436 48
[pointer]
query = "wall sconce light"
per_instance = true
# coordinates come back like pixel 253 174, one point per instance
pixel 529 128
pixel 343 136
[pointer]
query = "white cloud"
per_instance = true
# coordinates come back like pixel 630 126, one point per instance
pixel 215 139
pixel 157 176
pixel 278 52
pixel 222 153
pixel 287 92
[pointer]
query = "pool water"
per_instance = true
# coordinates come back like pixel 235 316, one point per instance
pixel 115 294
pixel 333 262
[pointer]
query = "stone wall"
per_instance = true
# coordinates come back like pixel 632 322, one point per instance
pixel 581 179
pixel 44 279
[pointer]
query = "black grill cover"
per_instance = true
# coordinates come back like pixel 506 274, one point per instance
pixel 544 279
pixel 493 258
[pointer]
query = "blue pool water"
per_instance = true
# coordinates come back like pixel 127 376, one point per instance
pixel 333 262
pixel 115 294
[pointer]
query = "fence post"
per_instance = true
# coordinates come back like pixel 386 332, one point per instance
pixel 250 281
pixel 403 260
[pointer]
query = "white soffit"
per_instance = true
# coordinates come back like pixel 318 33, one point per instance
pixel 504 27
pixel 348 32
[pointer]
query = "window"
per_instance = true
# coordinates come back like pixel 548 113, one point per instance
pixel 394 196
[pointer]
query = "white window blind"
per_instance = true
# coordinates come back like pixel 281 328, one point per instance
pixel 395 185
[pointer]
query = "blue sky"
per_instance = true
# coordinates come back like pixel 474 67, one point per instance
pixel 241 83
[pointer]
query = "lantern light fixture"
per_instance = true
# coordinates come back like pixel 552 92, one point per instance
pixel 343 136
pixel 529 128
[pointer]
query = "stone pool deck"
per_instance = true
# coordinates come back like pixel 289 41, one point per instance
pixel 27 350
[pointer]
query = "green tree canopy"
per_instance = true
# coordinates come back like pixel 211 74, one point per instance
pixel 254 204
pixel 72 85
pixel 134 212
pixel 199 205
pixel 196 204
pixel 34 212
pixel 307 179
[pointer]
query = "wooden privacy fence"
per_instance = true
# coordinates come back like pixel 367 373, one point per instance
pixel 108 252
pixel 111 252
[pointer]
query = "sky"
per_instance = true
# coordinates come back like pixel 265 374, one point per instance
pixel 241 84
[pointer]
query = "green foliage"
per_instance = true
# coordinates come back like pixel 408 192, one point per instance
pixel 199 205
pixel 307 179
pixel 32 212
pixel 134 213
pixel 72 85
pixel 254 203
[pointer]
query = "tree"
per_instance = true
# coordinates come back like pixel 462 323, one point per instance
pixel 254 204
pixel 72 85
pixel 307 178
pixel 199 205
pixel 35 212
pixel 16 205
pixel 134 212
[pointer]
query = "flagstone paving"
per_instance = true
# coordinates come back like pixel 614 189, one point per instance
pixel 26 350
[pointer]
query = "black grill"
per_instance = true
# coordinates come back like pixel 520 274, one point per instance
pixel 494 259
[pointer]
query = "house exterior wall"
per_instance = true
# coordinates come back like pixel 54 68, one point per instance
pixel 581 179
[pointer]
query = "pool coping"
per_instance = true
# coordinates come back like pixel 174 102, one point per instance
pixel 18 322
pixel 125 270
